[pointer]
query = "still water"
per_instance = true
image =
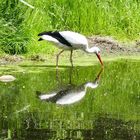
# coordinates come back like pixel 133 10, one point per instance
pixel 79 103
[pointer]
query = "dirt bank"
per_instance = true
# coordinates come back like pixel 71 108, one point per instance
pixel 108 46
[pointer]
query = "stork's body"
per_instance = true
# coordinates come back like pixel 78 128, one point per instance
pixel 68 40
pixel 69 94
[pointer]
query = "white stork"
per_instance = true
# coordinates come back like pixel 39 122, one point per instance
pixel 68 40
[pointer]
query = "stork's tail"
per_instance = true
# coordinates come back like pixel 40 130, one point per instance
pixel 40 39
pixel 41 34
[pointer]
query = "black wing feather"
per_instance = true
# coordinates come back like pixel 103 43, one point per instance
pixel 57 36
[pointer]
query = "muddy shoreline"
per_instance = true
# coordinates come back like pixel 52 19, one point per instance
pixel 107 45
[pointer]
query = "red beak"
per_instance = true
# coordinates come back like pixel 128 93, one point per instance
pixel 99 57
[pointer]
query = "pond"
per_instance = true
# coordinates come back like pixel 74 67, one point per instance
pixel 80 103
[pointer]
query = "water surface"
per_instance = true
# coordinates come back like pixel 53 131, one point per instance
pixel 79 103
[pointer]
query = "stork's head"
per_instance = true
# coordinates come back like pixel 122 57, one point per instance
pixel 95 50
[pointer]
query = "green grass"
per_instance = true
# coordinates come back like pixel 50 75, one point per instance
pixel 20 24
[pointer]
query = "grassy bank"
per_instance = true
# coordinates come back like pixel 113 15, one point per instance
pixel 20 24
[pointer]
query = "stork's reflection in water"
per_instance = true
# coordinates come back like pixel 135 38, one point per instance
pixel 69 94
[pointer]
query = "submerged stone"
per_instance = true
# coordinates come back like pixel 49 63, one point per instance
pixel 7 78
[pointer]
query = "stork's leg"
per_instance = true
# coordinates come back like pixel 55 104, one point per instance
pixel 71 58
pixel 57 57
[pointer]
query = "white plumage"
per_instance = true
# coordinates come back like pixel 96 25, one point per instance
pixel 75 39
pixel 49 38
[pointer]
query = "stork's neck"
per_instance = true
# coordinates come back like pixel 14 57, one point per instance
pixel 91 85
pixel 90 50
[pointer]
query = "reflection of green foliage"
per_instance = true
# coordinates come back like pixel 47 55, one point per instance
pixel 111 109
